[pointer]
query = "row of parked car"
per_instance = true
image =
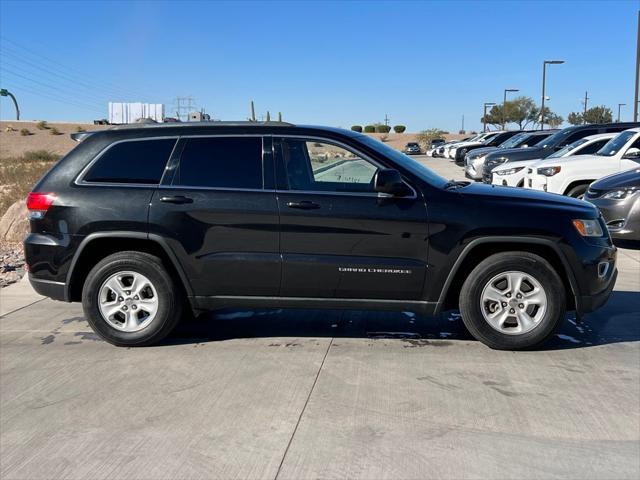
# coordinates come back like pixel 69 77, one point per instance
pixel 599 163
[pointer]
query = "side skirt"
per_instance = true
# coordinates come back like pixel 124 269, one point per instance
pixel 218 302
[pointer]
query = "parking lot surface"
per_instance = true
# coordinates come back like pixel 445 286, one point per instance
pixel 319 394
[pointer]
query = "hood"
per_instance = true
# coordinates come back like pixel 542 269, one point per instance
pixel 626 179
pixel 548 162
pixel 523 198
pixel 479 152
pixel 515 154
pixel 521 163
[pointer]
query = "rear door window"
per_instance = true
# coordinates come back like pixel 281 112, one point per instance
pixel 132 161
pixel 221 162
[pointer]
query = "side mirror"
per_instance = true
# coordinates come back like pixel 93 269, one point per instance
pixel 632 154
pixel 389 181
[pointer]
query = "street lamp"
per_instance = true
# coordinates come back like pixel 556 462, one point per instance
pixel 544 81
pixel 620 105
pixel 484 117
pixel 504 106
pixel 6 93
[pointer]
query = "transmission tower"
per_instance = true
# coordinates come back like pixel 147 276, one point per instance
pixel 184 105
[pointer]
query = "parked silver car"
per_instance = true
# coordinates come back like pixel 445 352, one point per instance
pixel 618 198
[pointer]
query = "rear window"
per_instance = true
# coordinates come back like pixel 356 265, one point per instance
pixel 135 161
pixel 221 162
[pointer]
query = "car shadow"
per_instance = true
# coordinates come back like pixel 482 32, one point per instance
pixel 617 321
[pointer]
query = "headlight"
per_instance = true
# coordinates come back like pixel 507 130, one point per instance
pixel 548 171
pixel 620 193
pixel 588 228
pixel 510 171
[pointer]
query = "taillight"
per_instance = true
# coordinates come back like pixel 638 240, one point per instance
pixel 38 204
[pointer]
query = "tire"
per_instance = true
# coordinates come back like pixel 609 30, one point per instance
pixel 544 313
pixel 578 191
pixel 149 317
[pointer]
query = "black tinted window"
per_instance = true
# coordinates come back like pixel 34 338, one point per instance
pixel 593 147
pixel 578 135
pixel 223 162
pixel 140 161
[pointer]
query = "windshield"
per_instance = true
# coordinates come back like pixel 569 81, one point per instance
pixel 567 148
pixel 556 138
pixel 513 141
pixel 404 161
pixel 614 145
pixel 488 138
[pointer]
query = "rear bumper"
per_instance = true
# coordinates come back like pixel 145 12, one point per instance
pixel 49 288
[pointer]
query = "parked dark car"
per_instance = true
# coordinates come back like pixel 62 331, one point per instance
pixel 412 148
pixel 436 142
pixel 147 223
pixel 555 142
pixel 492 142
pixel 617 196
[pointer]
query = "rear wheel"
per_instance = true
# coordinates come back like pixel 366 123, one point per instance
pixel 129 299
pixel 512 301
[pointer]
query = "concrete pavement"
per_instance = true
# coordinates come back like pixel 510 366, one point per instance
pixel 296 394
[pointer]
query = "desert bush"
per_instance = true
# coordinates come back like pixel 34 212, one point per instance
pixel 25 132
pixel 19 174
pixel 399 128
pixel 42 125
pixel 40 156
pixel 79 129
pixel 383 128
pixel 357 128
pixel 9 128
pixel 55 131
pixel 369 129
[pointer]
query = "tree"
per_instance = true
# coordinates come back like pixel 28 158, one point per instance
pixel 425 137
pixel 550 118
pixel 494 116
pixel 600 114
pixel 523 111
pixel 575 118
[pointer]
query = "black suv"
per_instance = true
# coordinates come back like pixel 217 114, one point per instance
pixel 147 223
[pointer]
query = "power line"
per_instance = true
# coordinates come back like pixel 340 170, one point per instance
pixel 20 89
pixel 67 68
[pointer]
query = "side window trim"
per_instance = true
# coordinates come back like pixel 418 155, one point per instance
pixel 80 181
pixel 178 156
pixel 282 183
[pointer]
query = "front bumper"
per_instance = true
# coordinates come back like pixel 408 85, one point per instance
pixel 513 180
pixel 536 182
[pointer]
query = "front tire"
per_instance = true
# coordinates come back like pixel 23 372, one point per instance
pixel 578 191
pixel 513 301
pixel 129 299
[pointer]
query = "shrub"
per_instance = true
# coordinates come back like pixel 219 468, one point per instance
pixel 42 125
pixel 357 128
pixel 55 131
pixel 369 129
pixel 40 156
pixel 25 132
pixel 399 128
pixel 383 128
pixel 80 129
pixel 384 138
pixel 9 128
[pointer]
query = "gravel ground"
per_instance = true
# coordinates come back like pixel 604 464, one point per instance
pixel 11 263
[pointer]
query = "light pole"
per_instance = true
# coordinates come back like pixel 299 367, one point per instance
pixel 620 105
pixel 6 93
pixel 544 82
pixel 504 106
pixel 484 116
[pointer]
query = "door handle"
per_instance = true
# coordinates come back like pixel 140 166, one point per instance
pixel 304 205
pixel 178 199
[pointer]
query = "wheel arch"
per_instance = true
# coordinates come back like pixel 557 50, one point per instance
pixel 576 183
pixel 479 249
pixel 97 246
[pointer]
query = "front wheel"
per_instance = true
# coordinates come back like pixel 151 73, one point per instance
pixel 578 191
pixel 129 299
pixel 513 301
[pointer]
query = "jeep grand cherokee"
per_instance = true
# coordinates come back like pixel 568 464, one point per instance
pixel 147 223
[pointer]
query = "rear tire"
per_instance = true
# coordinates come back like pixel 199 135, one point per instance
pixel 129 299
pixel 513 301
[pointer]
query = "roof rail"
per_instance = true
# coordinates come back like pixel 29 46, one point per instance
pixel 200 124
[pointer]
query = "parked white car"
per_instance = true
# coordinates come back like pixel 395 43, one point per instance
pixel 512 173
pixel 482 137
pixel 572 175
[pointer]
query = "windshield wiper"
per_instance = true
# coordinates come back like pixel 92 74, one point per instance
pixel 453 184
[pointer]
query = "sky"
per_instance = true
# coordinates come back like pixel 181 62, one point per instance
pixel 424 64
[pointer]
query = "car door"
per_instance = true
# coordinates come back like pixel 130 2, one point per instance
pixel 338 237
pixel 216 209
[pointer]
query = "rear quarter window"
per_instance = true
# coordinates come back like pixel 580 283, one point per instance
pixel 133 161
